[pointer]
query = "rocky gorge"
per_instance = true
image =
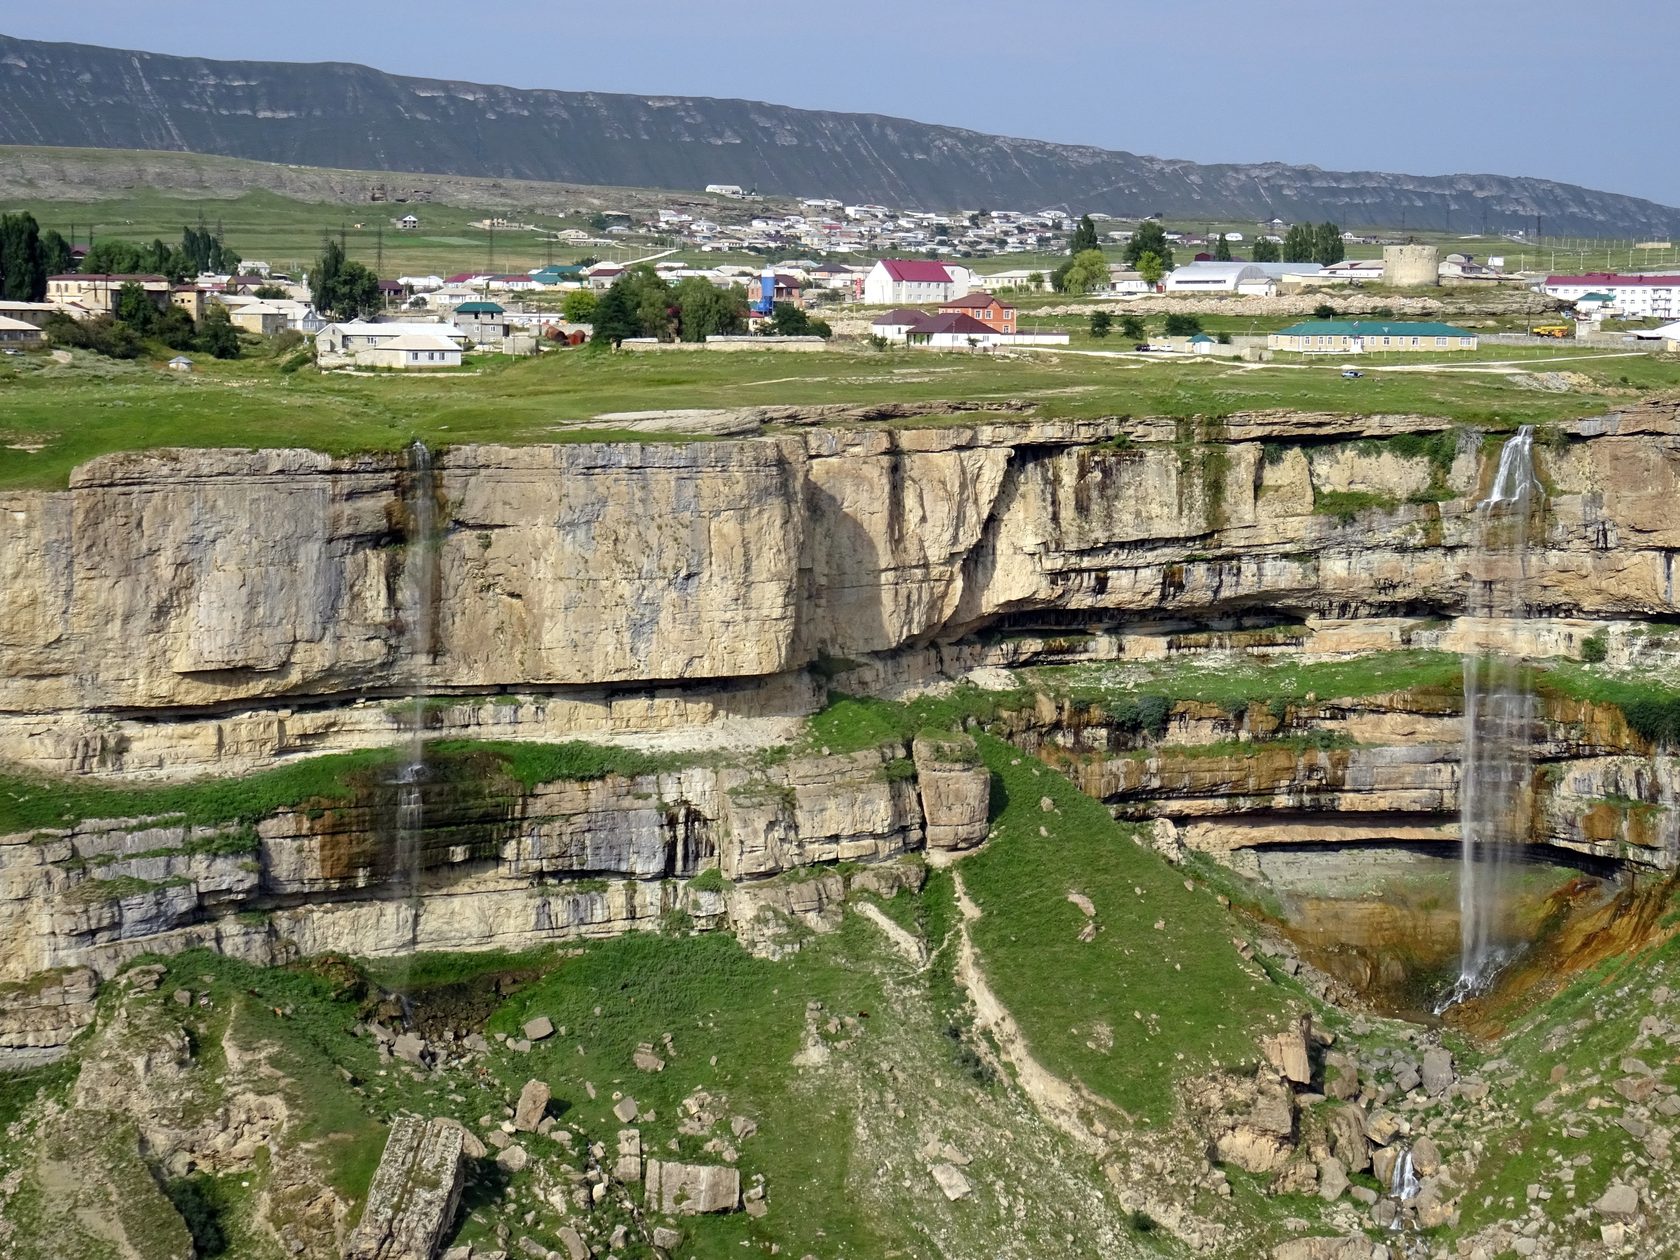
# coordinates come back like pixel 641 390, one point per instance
pixel 1240 635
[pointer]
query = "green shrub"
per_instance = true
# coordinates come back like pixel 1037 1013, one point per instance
pixel 1594 648
pixel 709 880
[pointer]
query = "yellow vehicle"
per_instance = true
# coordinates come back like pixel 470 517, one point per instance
pixel 1552 330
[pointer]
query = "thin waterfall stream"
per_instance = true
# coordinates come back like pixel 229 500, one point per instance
pixel 1495 793
pixel 416 608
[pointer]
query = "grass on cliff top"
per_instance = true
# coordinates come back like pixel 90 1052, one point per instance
pixel 1137 1007
pixel 56 417
pixel 1235 684
pixel 30 802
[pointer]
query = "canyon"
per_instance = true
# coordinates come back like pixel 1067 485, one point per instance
pixel 742 682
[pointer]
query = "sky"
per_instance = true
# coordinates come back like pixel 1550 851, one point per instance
pixel 1551 88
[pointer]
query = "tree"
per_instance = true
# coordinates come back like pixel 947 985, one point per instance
pixel 1084 237
pixel 789 321
pixel 1150 238
pixel 135 308
pixel 1221 249
pixel 578 306
pixel 1131 328
pixel 1035 280
pixel 267 292
pixel 1324 311
pixel 704 310
pixel 1088 270
pixel 1327 244
pixel 1151 267
pixel 1182 326
pixel 323 278
pixel 115 258
pixel 1101 323
pixel 1058 277
pixel 174 327
pixel 1299 243
pixel 344 289
pixel 56 258
pixel 357 292
pixel 102 335
pixel 615 317
pixel 23 273
pixel 1265 250
pixel 217 336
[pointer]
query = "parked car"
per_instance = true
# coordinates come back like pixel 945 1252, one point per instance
pixel 1351 374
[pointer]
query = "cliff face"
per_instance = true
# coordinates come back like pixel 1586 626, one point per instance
pixel 184 613
pixel 180 582
pixel 80 95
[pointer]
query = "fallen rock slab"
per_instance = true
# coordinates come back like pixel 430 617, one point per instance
pixel 692 1189
pixel 415 1192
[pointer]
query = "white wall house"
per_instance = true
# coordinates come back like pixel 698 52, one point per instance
pixel 411 352
pixel 337 344
pixel 1220 277
pixel 1633 296
pixel 907 282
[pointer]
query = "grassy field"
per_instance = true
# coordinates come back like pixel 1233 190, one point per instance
pixel 56 416
pixel 287 234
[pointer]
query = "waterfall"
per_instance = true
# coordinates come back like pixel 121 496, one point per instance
pixel 1403 1183
pixel 1499 715
pixel 416 607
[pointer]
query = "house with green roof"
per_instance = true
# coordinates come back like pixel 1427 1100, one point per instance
pixel 1345 336
pixel 481 321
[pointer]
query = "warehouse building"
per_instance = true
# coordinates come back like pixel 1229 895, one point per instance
pixel 1342 336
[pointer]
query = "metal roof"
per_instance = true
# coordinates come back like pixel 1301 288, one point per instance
pixel 1371 328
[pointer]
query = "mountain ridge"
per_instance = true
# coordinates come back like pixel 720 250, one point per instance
pixel 86 96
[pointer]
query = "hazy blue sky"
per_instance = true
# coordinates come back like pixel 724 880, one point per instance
pixel 1555 88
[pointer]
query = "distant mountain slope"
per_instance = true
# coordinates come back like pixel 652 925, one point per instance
pixel 339 115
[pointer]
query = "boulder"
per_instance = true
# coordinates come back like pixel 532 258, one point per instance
pixel 629 1166
pixel 1619 1202
pixel 1436 1073
pixel 666 1238
pixel 533 1103
pixel 955 789
pixel 678 1189
pixel 572 1241
pixel 626 1110
pixel 1352 1247
pixel 1288 1052
pixel 1346 1132
pixel 951 1181
pixel 1332 1179
pixel 415 1191
pixel 1426 1156
pixel 538 1028
pixel 512 1157
pixel 1341 1075
pixel 410 1049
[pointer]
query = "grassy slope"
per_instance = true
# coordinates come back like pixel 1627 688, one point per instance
pixel 59 416
pixel 1177 999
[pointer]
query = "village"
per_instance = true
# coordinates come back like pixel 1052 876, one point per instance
pixel 889 277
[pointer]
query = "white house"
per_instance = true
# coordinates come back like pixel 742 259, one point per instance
pixel 408 222
pixel 904 282
pixel 1220 277
pixel 725 190
pixel 894 324
pixel 337 343
pixel 1634 296
pixel 1125 281
pixel 411 351
pixel 1348 271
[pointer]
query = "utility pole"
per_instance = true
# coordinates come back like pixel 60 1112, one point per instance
pixel 490 266
pixel 379 250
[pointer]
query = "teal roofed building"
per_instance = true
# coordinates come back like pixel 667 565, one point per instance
pixel 481 321
pixel 1344 336
pixel 555 273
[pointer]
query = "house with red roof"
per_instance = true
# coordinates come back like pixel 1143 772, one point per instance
pixel 909 281
pixel 995 313
pixel 953 331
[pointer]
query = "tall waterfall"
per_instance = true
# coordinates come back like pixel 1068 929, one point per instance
pixel 1499 714
pixel 416 608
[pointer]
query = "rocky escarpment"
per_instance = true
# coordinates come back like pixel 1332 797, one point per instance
pixel 76 94
pixel 186 612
